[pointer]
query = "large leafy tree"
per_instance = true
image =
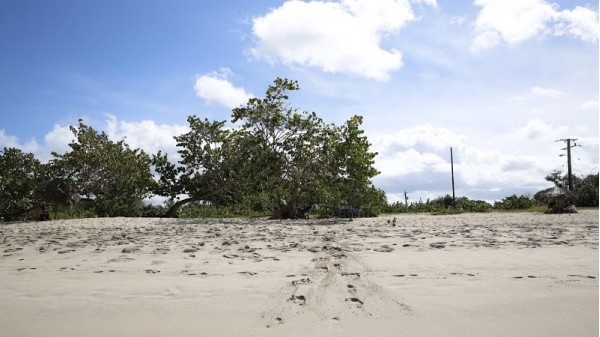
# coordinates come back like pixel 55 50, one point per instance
pixel 114 176
pixel 214 166
pixel 19 175
pixel 355 162
pixel 275 149
pixel 292 145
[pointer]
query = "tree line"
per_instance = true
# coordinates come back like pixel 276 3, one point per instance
pixel 277 159
pixel 585 187
pixel 270 158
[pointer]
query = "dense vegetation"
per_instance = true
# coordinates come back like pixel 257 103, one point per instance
pixel 586 187
pixel 277 161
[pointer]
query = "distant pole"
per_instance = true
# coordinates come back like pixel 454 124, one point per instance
pixel 569 164
pixel 568 148
pixel 452 168
pixel 405 198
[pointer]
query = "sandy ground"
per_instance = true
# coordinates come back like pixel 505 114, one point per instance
pixel 519 274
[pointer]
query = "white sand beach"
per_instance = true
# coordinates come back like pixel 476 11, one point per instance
pixel 492 274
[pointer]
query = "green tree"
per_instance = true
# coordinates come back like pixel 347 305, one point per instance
pixel 587 190
pixel 19 176
pixel 214 167
pixel 355 163
pixel 289 144
pixel 304 157
pixel 116 177
pixel 292 155
pixel 585 187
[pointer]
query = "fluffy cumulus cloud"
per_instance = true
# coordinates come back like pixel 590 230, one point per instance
pixel 57 140
pixel 427 135
pixel 336 37
pixel 215 87
pixel 516 21
pixel 146 135
pixel 581 23
pixel 8 140
pixel 415 159
pixel 538 129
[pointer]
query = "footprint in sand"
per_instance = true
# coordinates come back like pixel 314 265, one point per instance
pixel 12 250
pixel 583 276
pixel 247 273
pixel 462 274
pixel 384 249
pixel 301 281
pixel 278 320
pixel 152 271
pixel 300 299
pixel 358 302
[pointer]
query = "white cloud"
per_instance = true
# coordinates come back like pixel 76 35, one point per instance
pixel 516 21
pixel 410 161
pixel 8 140
pixel 146 135
pixel 534 129
pixel 427 135
pixel 581 23
pixel 418 160
pixel 546 92
pixel 432 3
pixel 336 37
pixel 457 20
pixel 215 88
pixel 56 140
pixel 31 146
pixel 590 105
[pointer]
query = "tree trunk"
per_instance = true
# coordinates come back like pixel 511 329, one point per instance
pixel 172 211
pixel 280 211
pixel 293 204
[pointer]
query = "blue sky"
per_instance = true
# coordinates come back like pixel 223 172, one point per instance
pixel 497 80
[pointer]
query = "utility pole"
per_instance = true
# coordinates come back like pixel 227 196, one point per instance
pixel 568 148
pixel 452 168
pixel 405 199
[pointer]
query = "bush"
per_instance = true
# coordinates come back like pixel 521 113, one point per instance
pixel 514 202
pixel 440 205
